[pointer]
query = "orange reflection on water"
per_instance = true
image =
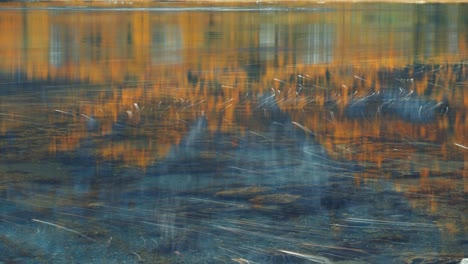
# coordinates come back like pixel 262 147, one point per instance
pixel 154 73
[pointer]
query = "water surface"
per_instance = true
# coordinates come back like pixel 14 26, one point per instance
pixel 325 134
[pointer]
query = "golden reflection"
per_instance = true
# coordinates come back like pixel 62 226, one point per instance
pixel 151 74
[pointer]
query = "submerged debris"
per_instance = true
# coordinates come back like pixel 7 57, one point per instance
pixel 279 198
pixel 242 193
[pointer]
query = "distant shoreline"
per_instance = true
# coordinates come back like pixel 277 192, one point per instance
pixel 215 5
pixel 221 3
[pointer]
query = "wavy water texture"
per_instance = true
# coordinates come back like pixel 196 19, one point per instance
pixel 327 134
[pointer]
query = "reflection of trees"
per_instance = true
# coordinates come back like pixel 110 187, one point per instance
pixel 176 67
pixel 100 46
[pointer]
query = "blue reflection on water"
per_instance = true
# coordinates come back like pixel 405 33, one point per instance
pixel 266 199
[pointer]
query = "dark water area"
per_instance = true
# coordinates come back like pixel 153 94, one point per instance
pixel 318 134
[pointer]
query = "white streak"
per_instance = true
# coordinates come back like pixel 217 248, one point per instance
pixel 317 259
pixel 63 112
pixel 303 128
pixel 64 228
pixel 460 145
